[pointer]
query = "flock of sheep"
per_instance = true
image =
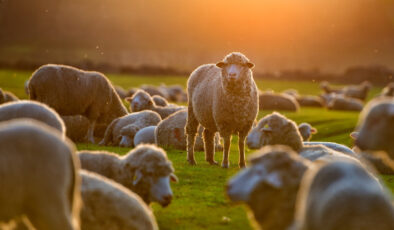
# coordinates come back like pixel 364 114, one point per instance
pixel 290 183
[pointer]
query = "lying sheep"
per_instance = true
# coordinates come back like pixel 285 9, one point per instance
pixel 78 125
pixel 6 96
pixel 33 110
pixel 72 91
pixel 122 130
pixel 39 176
pixel 222 98
pixel 343 195
pixel 160 101
pixel 328 89
pixel 145 170
pixel 376 126
pixel 142 101
pixel 145 136
pixel 109 205
pixel 170 133
pixel 310 101
pixel 276 101
pixel 339 102
pixel 269 186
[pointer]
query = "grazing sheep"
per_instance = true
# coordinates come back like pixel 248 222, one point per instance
pixel 277 101
pixel 32 110
pixel 170 133
pixel 120 91
pixel 7 97
pixel 339 102
pixel 222 98
pixel 145 170
pixel 122 130
pixel 145 136
pixel 376 126
pixel 269 186
pixel 71 91
pixel 109 205
pixel 39 176
pixel 160 101
pixel 175 92
pixel 142 101
pixel 343 195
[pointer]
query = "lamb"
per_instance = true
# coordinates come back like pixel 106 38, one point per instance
pixel 6 96
pixel 170 133
pixel 343 195
pixel 145 136
pixel 160 101
pixel 122 130
pixel 269 186
pixel 32 110
pixel 276 101
pixel 109 205
pixel 142 101
pixel 222 98
pixel 306 131
pixel 77 126
pixel 376 126
pixel 339 102
pixel 144 170
pixel 71 91
pixel 38 175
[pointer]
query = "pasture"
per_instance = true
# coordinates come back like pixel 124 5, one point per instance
pixel 199 199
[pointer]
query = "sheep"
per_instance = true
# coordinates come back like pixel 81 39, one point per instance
pixel 145 136
pixel 175 92
pixel 276 101
pixel 342 195
pixel 358 91
pixel 122 130
pixel 6 96
pixel 269 186
pixel 153 90
pixel 109 205
pixel 71 91
pixel 144 170
pixel 77 126
pixel 222 98
pixel 324 85
pixel 376 126
pixel 160 101
pixel 33 110
pixel 340 102
pixel 306 131
pixel 39 176
pixel 170 133
pixel 142 101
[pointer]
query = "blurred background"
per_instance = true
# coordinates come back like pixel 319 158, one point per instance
pixel 296 39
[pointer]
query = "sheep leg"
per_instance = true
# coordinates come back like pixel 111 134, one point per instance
pixel 241 148
pixel 90 135
pixel 209 145
pixel 226 150
pixel 191 131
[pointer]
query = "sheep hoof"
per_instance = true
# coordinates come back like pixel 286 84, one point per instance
pixel 212 162
pixel 225 165
pixel 192 162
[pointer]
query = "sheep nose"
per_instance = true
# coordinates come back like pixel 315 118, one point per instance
pixel 232 75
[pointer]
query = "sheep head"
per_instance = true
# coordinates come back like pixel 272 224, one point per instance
pixel 127 135
pixel 141 100
pixel 236 69
pixel 148 172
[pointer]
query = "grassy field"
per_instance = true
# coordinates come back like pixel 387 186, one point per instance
pixel 199 199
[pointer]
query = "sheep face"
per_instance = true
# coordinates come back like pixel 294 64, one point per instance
pixel 253 140
pixel 127 135
pixel 141 101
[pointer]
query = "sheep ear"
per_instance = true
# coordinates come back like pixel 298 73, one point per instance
pixel 354 135
pixel 313 130
pixel 137 177
pixel 220 64
pixel 274 180
pixel 250 65
pixel 173 178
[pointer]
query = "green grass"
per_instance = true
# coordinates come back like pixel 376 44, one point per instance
pixel 199 199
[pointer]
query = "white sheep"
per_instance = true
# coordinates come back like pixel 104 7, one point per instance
pixel 141 100
pixel 340 102
pixel 170 133
pixel 122 130
pixel 32 110
pixel 343 195
pixel 145 136
pixel 72 91
pixel 277 101
pixel 145 170
pixel 222 98
pixel 39 176
pixel 109 205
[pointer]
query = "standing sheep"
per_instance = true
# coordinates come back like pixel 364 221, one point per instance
pixel 145 170
pixel 222 98
pixel 343 195
pixel 71 91
pixel 39 176
pixel 122 130
pixel 109 205
pixel 32 110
